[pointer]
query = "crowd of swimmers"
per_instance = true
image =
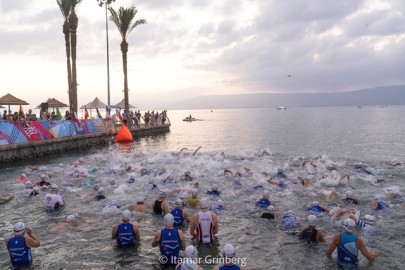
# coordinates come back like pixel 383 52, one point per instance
pixel 204 224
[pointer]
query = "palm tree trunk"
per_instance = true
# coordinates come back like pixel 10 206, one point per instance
pixel 124 50
pixel 74 21
pixel 66 31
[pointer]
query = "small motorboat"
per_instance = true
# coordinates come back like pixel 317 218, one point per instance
pixel 189 119
pixel 281 108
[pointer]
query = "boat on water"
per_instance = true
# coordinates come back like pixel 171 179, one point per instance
pixel 189 119
pixel 281 108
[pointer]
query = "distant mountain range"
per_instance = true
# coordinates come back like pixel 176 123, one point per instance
pixel 390 95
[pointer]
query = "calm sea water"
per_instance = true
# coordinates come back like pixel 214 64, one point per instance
pixel 233 139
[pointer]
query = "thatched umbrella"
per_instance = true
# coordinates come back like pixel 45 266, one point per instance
pixel 121 105
pixel 96 103
pixel 53 102
pixel 9 99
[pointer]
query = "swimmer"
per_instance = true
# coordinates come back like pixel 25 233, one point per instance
pixel 193 201
pixel 160 206
pixel 230 259
pixel 317 209
pixel 19 246
pixel 348 245
pixel 187 176
pixel 367 223
pixel 378 204
pixel 179 214
pixel 269 213
pixel 280 183
pixel 126 234
pixel 214 190
pixel 311 234
pixel 69 221
pixel 190 253
pixel 100 194
pixel 204 224
pixel 280 174
pixel 263 201
pixel 396 197
pixel 28 191
pixel 289 221
pixel 22 179
pixel 349 199
pixel 140 206
pixel 217 207
pixel 131 179
pixel 43 182
pixel 170 241
pixel 53 201
pixel 150 186
pixel 6 198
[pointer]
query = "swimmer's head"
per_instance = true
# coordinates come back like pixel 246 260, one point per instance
pixel 219 202
pixel 229 251
pixel 349 225
pixel 162 194
pixel 191 252
pixel 140 200
pixel 126 215
pixel 168 220
pixel 194 192
pixel 271 208
pixel 369 219
pixel 349 193
pixel 28 184
pixel 101 191
pixel 23 176
pixel 280 170
pixel 115 203
pixel 204 203
pixel 315 203
pixel 215 187
pixel 43 176
pixel 311 220
pixel 333 211
pixel 70 218
pixel 178 203
pixel 54 187
pixel 291 212
pixel 266 194
pixel 36 189
pixel 19 228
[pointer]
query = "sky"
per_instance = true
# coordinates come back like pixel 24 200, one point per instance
pixel 193 48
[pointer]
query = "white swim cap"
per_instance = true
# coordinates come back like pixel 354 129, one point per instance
pixel 349 224
pixel 126 215
pixel 115 203
pixel 204 203
pixel 54 187
pixel 101 191
pixel 369 219
pixel 36 189
pixel 194 192
pixel 43 176
pixel 314 203
pixel 141 199
pixel 162 193
pixel 266 194
pixel 42 168
pixel 311 219
pixel 70 218
pixel 23 175
pixel 19 228
pixel 215 187
pixel 219 202
pixel 271 208
pixel 60 164
pixel 191 252
pixel 189 264
pixel 349 193
pixel 332 211
pixel 179 202
pixel 229 251
pixel 28 184
pixel 290 212
pixel 81 159
pixel 168 220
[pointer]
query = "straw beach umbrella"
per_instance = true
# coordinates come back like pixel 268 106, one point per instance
pixel 54 103
pixel 9 99
pixel 121 105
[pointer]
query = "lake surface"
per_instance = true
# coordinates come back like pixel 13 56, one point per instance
pixel 261 140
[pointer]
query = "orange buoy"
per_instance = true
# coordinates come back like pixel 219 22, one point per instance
pixel 123 135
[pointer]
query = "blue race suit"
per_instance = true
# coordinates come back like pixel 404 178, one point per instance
pixel 125 235
pixel 347 250
pixel 20 253
pixel 169 245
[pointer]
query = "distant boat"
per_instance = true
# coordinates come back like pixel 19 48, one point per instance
pixel 189 119
pixel 281 108
pixel 359 107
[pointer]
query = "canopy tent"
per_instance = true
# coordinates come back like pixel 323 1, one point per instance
pixel 52 102
pixel 96 103
pixel 121 105
pixel 9 99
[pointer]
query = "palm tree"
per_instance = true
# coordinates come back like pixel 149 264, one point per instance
pixel 74 21
pixel 124 22
pixel 65 7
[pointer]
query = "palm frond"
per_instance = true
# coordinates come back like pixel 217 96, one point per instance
pixel 123 19
pixel 75 3
pixel 65 7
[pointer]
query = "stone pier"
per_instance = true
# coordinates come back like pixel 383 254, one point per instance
pixel 24 151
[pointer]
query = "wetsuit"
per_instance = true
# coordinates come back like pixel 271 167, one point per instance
pixel 231 267
pixel 309 234
pixel 178 217
pixel 125 235
pixel 169 245
pixel 267 215
pixel 351 200
pixel 157 208
pixel 214 192
pixel 382 206
pixel 20 253
pixel 289 222
pixel 347 250
pixel 315 210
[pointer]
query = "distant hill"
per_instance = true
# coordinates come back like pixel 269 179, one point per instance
pixel 391 95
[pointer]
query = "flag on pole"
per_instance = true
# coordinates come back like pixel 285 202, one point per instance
pixel 58 114
pixel 21 111
pixel 86 113
pixel 118 113
pixel 98 114
pixel 77 119
pixel 107 112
